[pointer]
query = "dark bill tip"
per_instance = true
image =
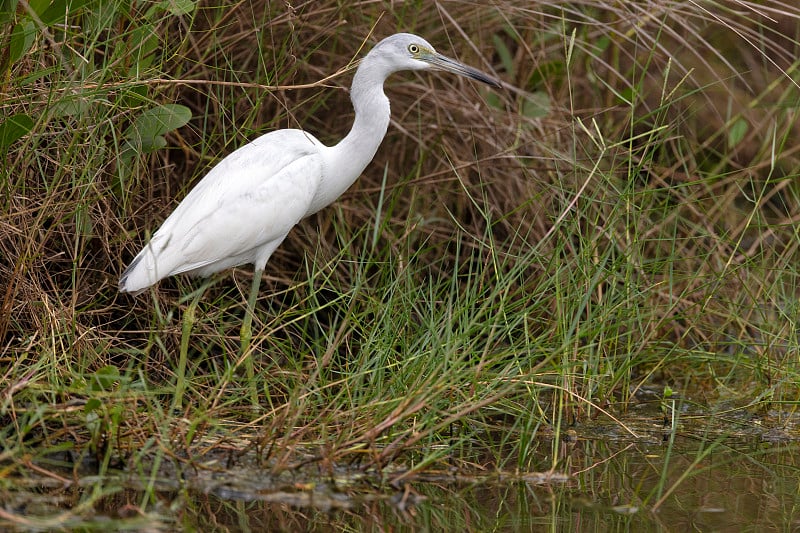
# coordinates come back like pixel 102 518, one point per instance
pixel 446 64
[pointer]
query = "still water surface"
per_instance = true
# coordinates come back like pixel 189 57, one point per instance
pixel 723 475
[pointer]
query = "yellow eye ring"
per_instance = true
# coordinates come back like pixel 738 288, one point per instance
pixel 413 48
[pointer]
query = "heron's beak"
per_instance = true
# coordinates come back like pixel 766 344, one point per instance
pixel 440 62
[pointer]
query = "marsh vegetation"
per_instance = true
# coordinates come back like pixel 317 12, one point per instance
pixel 513 267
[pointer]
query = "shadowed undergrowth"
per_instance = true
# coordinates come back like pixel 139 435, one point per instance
pixel 622 214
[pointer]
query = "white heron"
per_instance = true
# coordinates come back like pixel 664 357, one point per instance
pixel 246 205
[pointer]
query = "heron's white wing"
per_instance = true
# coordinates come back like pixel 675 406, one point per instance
pixel 250 199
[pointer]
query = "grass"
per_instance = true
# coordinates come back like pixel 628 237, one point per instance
pixel 511 260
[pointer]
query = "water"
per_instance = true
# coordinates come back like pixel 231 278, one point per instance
pixel 736 473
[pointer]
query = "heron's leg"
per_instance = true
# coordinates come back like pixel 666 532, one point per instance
pixel 246 334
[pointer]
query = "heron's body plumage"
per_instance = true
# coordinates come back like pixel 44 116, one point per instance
pixel 242 210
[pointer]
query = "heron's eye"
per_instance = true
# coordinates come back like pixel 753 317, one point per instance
pixel 413 48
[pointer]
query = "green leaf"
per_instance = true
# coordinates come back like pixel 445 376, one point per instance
pixel 133 97
pixel 104 379
pixel 626 95
pixel 55 13
pixel 178 7
pixel 545 72
pixel 58 11
pixel 8 9
pixel 536 105
pixel 601 44
pixel 505 55
pixel 13 128
pixel 737 132
pixel 21 40
pixel 146 134
pixel 38 6
pixel 101 16
pixel 144 41
pixel 493 100
pixel 70 106
pixel 92 404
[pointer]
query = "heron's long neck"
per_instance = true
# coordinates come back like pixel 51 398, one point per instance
pixel 349 158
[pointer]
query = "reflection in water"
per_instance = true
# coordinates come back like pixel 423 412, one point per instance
pixel 611 484
pixel 612 487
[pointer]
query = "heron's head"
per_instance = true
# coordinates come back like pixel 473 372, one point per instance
pixel 405 51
